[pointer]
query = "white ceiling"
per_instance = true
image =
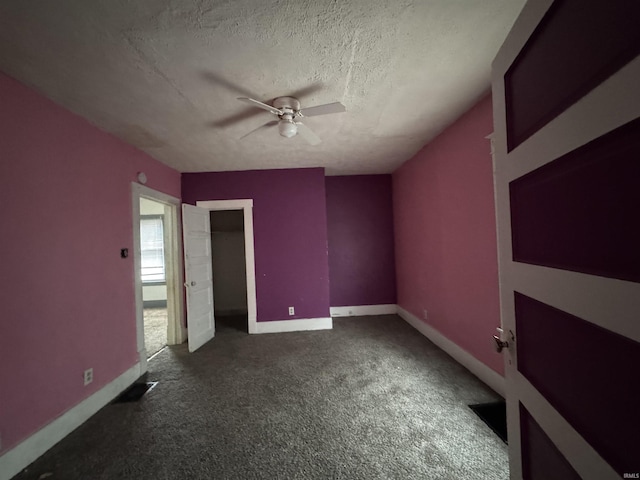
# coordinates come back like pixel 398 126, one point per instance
pixel 164 75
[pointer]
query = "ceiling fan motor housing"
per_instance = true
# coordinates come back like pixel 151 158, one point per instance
pixel 290 106
pixel 287 103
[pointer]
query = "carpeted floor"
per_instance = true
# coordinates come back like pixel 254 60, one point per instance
pixel 155 329
pixel 370 399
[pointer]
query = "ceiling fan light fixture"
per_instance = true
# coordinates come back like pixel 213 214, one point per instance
pixel 287 128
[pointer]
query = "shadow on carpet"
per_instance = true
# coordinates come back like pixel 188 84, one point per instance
pixel 494 414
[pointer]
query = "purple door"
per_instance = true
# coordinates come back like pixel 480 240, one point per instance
pixel 567 174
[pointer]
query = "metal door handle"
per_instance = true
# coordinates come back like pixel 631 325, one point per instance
pixel 193 284
pixel 500 344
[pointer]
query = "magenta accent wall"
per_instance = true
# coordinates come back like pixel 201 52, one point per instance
pixel 360 231
pixel 445 235
pixel 67 297
pixel 290 234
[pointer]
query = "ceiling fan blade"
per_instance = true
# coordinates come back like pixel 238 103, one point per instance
pixel 220 81
pixel 335 107
pixel 264 106
pixel 245 114
pixel 306 133
pixel 272 123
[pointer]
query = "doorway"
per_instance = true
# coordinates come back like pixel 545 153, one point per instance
pixel 229 269
pixel 153 274
pixel 158 271
pixel 233 262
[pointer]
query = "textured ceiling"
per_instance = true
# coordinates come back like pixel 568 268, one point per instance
pixel 164 75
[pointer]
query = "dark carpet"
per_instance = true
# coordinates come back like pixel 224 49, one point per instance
pixel 370 399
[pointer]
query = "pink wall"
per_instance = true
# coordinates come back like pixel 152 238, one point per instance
pixel 445 235
pixel 67 297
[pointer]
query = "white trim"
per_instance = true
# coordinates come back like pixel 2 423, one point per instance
pixel 23 454
pixel 176 332
pixel 614 107
pixel 237 204
pixel 489 376
pixel 361 310
pixel 581 295
pixel 246 205
pixel 609 303
pixel 582 456
pixel 296 325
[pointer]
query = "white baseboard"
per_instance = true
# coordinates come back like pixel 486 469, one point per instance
pixel 296 325
pixel 489 376
pixel 23 454
pixel 360 310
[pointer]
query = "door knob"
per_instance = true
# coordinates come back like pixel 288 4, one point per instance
pixel 500 344
pixel 193 283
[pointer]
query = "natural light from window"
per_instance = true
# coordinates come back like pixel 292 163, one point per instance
pixel 152 249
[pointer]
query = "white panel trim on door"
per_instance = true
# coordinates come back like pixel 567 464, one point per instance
pixel 489 376
pixel 246 205
pixel 580 296
pixel 23 454
pixel 196 229
pixel 609 303
pixel 362 310
pixel 296 325
pixel 582 457
pixel 560 136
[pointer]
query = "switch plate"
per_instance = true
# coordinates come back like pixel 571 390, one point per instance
pixel 292 311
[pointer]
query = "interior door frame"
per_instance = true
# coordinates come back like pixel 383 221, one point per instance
pixel 602 110
pixel 176 332
pixel 246 205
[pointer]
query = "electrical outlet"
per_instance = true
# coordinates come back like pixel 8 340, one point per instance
pixel 292 311
pixel 425 314
pixel 88 376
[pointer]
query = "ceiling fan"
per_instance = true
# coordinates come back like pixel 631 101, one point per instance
pixel 288 111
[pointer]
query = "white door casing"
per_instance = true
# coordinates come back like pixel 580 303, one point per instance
pixel 175 299
pixel 246 205
pixel 196 228
pixel 608 106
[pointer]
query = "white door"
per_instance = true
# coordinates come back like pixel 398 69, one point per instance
pixel 566 160
pixel 196 228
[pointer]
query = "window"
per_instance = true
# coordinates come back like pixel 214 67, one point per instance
pixel 152 249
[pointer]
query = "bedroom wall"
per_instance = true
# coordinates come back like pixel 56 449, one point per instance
pixel 67 297
pixel 361 248
pixel 290 234
pixel 445 235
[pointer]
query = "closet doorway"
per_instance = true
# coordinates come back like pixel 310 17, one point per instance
pixel 229 269
pixel 233 262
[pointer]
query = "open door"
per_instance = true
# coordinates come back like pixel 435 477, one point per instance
pixel 196 228
pixel 567 165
